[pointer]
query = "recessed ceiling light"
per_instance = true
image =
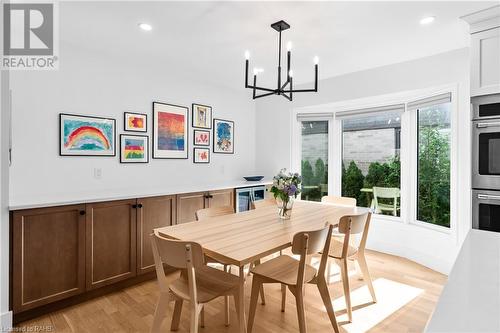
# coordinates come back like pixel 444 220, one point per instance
pixel 145 26
pixel 427 20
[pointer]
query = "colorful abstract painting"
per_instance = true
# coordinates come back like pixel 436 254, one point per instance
pixel 202 116
pixel 134 149
pixel 170 131
pixel 201 138
pixel 135 122
pixel 201 155
pixel 86 136
pixel 223 136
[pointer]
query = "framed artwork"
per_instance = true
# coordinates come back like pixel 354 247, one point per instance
pixel 202 116
pixel 134 148
pixel 86 136
pixel 223 136
pixel 170 131
pixel 201 155
pixel 201 138
pixel 135 122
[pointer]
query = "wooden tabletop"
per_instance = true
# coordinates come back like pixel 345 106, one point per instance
pixel 242 238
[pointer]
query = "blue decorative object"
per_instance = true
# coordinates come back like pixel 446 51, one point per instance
pixel 253 178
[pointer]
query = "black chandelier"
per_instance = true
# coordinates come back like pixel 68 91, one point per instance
pixel 286 89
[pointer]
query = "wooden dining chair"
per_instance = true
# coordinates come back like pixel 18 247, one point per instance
pixel 295 274
pixel 388 193
pixel 269 202
pixel 203 214
pixel 198 283
pixel 343 249
pixel 336 200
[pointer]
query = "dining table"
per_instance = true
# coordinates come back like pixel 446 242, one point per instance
pixel 243 238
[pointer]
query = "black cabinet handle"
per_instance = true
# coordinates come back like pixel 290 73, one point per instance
pixel 139 205
pixel 82 212
pixel 209 196
pixel 134 206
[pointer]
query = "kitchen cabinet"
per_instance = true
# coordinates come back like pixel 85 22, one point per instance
pixel 189 203
pixel 152 213
pixel 48 255
pixel 110 242
pixel 485 67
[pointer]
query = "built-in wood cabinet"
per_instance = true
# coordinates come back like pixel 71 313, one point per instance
pixel 61 252
pixel 48 255
pixel 485 67
pixel 189 203
pixel 152 213
pixel 110 242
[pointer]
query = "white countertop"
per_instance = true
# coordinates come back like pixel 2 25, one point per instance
pixel 470 301
pixel 62 199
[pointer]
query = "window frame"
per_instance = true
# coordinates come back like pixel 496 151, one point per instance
pixel 408 151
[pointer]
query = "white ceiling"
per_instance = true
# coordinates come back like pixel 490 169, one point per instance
pixel 208 39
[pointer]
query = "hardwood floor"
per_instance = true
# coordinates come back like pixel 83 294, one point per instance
pixel 406 293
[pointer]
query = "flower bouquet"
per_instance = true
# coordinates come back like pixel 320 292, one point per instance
pixel 286 187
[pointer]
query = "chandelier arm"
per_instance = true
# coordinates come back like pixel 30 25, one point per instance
pixel 264 95
pixel 287 97
pixel 284 85
pixel 279 61
pixel 261 88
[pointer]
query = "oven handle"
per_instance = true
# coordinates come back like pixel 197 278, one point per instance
pixel 485 125
pixel 488 197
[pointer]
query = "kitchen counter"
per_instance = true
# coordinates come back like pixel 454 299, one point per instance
pixel 470 301
pixel 100 196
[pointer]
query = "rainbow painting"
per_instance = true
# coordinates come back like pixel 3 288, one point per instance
pixel 86 136
pixel 170 130
pixel 134 148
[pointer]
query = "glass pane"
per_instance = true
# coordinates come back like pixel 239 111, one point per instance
pixel 489 153
pixel 258 194
pixel 489 217
pixel 370 161
pixel 434 130
pixel 314 169
pixel 243 201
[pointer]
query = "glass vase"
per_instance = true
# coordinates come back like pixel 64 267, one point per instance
pixel 285 208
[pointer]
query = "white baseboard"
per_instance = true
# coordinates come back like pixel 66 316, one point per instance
pixel 5 321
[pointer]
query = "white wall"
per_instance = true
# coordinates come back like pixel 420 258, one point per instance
pixel 5 314
pixel 91 83
pixel 273 132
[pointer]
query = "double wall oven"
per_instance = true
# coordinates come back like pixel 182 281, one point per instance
pixel 486 162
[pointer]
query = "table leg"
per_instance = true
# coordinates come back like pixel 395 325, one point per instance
pixel 241 300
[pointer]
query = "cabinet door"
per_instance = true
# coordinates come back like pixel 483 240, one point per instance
pixel 188 204
pixel 151 213
pixel 221 198
pixel 485 67
pixel 48 255
pixel 111 242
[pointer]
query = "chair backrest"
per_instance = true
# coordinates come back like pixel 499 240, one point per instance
pixel 264 203
pixel 386 192
pixel 345 201
pixel 175 253
pixel 206 213
pixel 312 242
pixel 352 225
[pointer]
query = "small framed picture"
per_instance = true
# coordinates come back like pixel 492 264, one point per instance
pixel 202 116
pixel 201 138
pixel 134 148
pixel 135 122
pixel 201 155
pixel 223 136
pixel 86 136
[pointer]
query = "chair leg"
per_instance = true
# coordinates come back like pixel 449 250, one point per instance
pixel 366 274
pixel 359 273
pixel 347 292
pixel 325 296
pixel 256 287
pixel 202 317
pixel 283 297
pixel 176 317
pixel 301 315
pixel 262 297
pixel 160 312
pixel 195 315
pixel 226 301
